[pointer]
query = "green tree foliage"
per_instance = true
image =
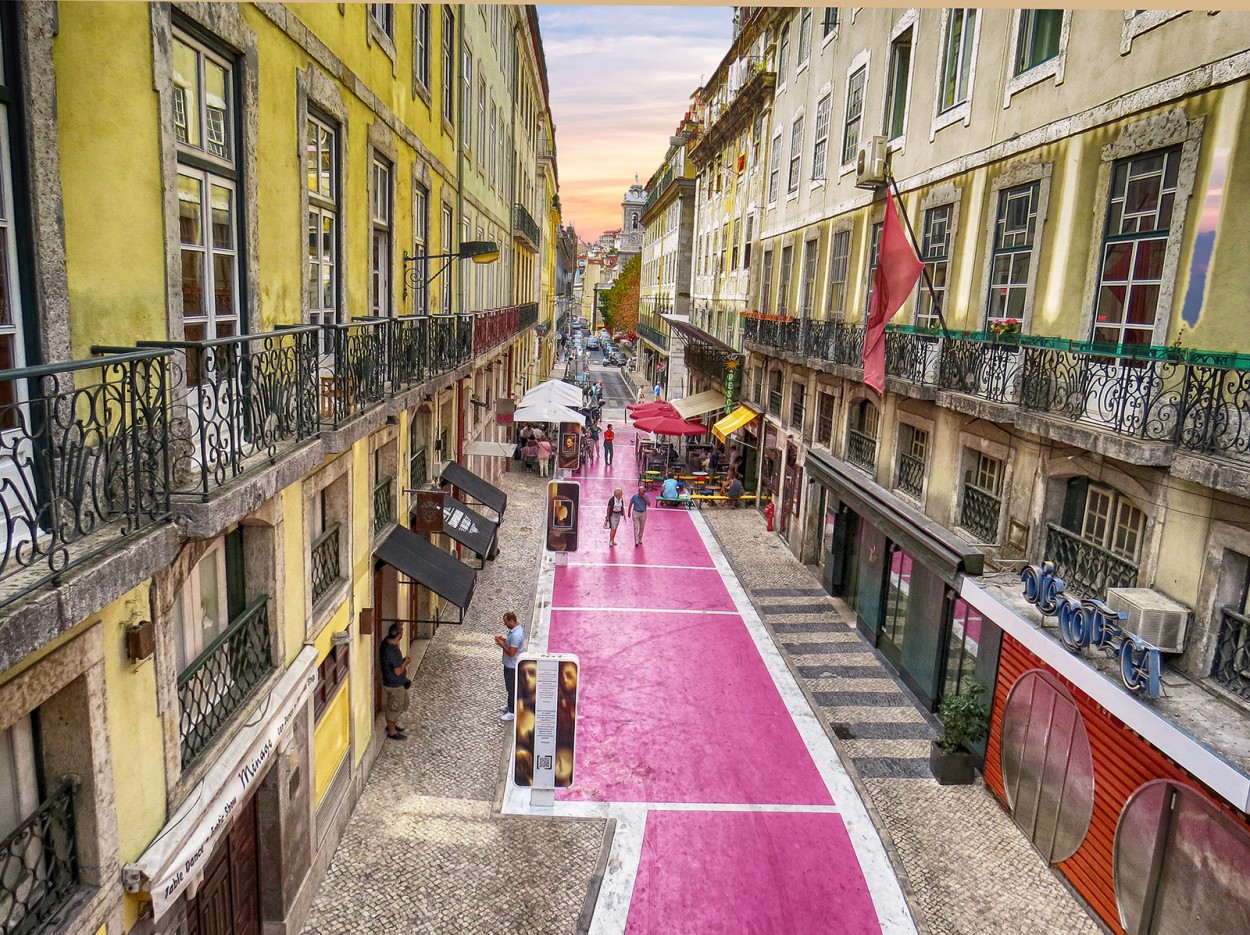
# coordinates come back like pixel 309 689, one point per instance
pixel 620 301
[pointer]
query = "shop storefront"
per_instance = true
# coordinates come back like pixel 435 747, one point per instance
pixel 739 431
pixel 901 573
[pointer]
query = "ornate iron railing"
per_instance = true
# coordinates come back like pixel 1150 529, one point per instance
pixel 239 403
pixel 523 223
pixel 223 677
pixel 979 513
pixel 84 462
pixel 1088 569
pixel 1232 653
pixel 527 315
pixel 325 563
pixel 355 375
pixel 383 504
pixel 39 865
pixel 835 341
pixel 911 357
pixel 417 470
pixel 910 475
pixel 984 369
pixel 861 449
pixel 654 335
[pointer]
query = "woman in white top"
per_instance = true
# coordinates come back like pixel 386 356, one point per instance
pixel 616 509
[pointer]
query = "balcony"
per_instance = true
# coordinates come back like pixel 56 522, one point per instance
pixel 653 335
pixel 383 504
pixel 223 678
pixel 910 476
pixel 861 450
pixel 525 227
pixel 1088 568
pixel 354 375
pixel 39 865
pixel 325 563
pixel 1232 653
pixel 979 513
pixel 756 89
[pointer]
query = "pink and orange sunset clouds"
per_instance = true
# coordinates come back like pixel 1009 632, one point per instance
pixel 621 78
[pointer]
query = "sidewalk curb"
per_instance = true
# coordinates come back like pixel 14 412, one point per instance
pixel 887 840
pixel 596 879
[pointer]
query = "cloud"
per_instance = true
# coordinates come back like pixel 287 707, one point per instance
pixel 621 79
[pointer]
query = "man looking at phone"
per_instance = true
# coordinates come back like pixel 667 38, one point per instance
pixel 512 645
pixel 394 681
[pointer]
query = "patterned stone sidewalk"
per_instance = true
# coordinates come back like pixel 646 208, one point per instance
pixel 971 872
pixel 424 851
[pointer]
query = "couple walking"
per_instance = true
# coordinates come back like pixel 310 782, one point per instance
pixel 634 509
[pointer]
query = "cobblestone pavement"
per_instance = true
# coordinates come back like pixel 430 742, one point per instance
pixel 971 871
pixel 424 852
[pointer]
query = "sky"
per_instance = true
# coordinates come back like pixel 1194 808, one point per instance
pixel 621 79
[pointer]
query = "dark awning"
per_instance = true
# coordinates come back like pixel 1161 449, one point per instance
pixel 469 527
pixel 923 538
pixel 469 483
pixel 444 574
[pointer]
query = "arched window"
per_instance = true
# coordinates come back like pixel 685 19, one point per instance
pixel 633 221
pixel 861 435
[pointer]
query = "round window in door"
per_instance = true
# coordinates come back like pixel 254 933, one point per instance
pixel 1048 771
pixel 1181 864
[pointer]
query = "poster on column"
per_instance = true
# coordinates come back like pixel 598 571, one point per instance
pixel 563 500
pixel 570 446
pixel 546 720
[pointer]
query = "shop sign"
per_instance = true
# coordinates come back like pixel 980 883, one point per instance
pixel 1088 622
pixel 429 512
pixel 731 386
pixel 504 408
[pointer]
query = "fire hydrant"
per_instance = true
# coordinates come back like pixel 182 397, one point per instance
pixel 768 514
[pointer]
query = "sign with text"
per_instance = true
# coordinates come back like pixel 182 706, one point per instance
pixel 563 500
pixel 570 445
pixel 428 512
pixel 504 408
pixel 546 720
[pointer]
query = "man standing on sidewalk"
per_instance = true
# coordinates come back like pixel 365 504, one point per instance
pixel 609 437
pixel 394 681
pixel 638 504
pixel 512 644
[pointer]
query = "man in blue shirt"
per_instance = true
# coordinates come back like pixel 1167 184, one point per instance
pixel 669 490
pixel 512 645
pixel 638 504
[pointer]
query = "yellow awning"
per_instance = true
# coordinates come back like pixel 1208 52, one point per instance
pixel 732 422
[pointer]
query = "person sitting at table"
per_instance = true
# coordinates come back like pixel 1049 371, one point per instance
pixel 529 456
pixel 669 490
pixel 732 489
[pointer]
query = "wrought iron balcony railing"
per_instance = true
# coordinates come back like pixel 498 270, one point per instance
pixel 325 563
pixel 383 504
pixel 527 315
pixel 774 402
pixel 39 864
pixel 84 462
pixel 1089 569
pixel 417 470
pixel 223 677
pixel 354 375
pixel 979 513
pixel 654 335
pixel 861 449
pixel 523 223
pixel 910 476
pixel 835 341
pixel 1232 653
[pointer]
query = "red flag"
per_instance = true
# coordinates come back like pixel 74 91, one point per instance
pixel 898 268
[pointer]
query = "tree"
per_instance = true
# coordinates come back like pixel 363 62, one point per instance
pixel 620 300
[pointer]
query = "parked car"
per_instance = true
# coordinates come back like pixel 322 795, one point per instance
pixel 592 343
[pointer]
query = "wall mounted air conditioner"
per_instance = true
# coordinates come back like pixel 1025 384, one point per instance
pixel 870 163
pixel 1154 617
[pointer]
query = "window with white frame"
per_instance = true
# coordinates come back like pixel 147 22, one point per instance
pixel 807 292
pixel 481 121
pixel 957 56
pixel 12 319
pixel 783 53
pixel 734 247
pixel 774 169
pixel 783 280
pixel 1135 238
pixel 383 14
pixel 913 456
pixel 820 149
pixel 447 231
pixel 19 783
pixel 936 254
pixel 746 242
pixel 854 115
pixel 1038 38
pixel 466 99
pixel 805 36
pixel 420 246
pixel 210 598
pixel 766 283
pixel 1110 520
pixel 874 245
pixel 897 87
pixel 796 155
pixel 321 164
pixel 1015 227
pixel 829 24
pixel 839 264
pixel 380 246
pixel 449 64
pixel 205 134
pixel 421 44
pixel 494 129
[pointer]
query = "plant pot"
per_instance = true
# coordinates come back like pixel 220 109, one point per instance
pixel 951 769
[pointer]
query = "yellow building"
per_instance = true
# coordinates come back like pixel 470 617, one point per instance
pixel 240 281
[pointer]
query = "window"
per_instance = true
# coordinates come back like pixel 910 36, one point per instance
pixel 481 122
pixel 448 231
pixel 766 283
pixel 1139 217
pixel 820 151
pixel 774 392
pixel 12 344
pixel 1111 521
pixel 796 155
pixel 490 163
pixel 421 44
pixel 783 280
pixel 805 36
pixel 774 169
pixel 1038 40
pixel 861 435
pixel 965 642
pixel 1012 255
pixel 420 245
pixel 721 263
pixel 807 296
pixel 897 86
pixel 380 254
pixel 383 14
pixel 331 676
pixel 981 504
pixel 798 398
pixel 854 115
pixel 210 598
pixel 449 64
pixel 19 771
pixel 737 239
pixel 783 53
pixel 825 407
pixel 204 128
pixel 957 49
pixel 935 251
pixel 874 245
pixel 321 164
pixel 839 262
pixel 913 453
pixel 746 242
pixel 830 22
pixel 466 101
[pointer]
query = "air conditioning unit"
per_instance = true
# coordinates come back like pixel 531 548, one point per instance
pixel 1154 617
pixel 870 163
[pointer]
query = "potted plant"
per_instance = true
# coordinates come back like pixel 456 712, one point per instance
pixel 1005 330
pixel 964 721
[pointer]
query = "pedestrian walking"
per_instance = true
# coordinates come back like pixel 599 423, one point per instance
pixel 594 441
pixel 642 394
pixel 656 389
pixel 544 456
pixel 616 509
pixel 638 504
pixel 395 682
pixel 609 437
pixel 512 645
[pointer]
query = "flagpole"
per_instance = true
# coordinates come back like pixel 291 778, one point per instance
pixel 911 234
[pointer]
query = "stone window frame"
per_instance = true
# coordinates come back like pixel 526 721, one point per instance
pixel 226 23
pixel 1051 68
pixel 382 142
pixel 862 59
pixel 854 397
pixel 376 35
pixel 909 20
pixel 1137 22
pixel 970 445
pixel 946 193
pixel 963 110
pixel 1199 657
pixel 387 442
pixel 316 90
pixel 336 479
pixel 920 423
pixel 421 89
pixel 864 271
pixel 1020 173
pixel 844 224
pixel 1158 131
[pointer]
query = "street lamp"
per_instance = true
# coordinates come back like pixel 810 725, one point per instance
pixel 479 251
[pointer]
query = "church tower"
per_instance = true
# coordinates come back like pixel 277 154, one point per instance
pixel 631 221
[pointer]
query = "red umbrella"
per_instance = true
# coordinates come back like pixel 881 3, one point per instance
pixel 669 425
pixel 655 411
pixel 647 407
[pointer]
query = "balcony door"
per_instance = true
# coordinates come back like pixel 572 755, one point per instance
pixel 228 901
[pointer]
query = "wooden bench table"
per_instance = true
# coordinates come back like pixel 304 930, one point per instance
pixel 674 501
